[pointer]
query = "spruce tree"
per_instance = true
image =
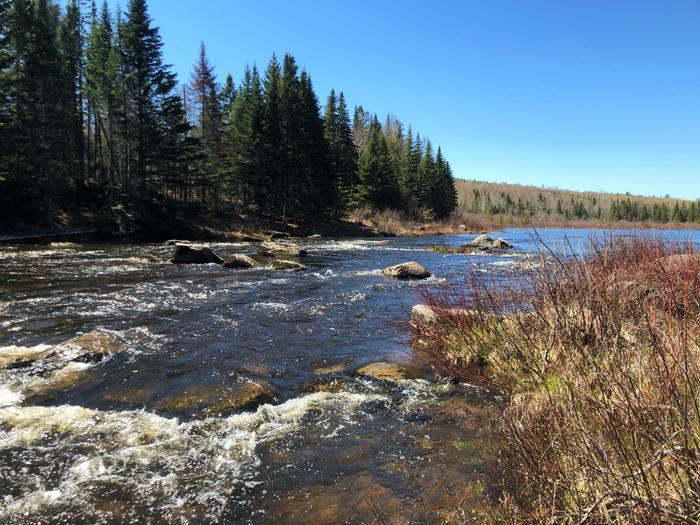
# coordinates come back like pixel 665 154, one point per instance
pixel 346 160
pixel 70 39
pixel 290 106
pixel 375 187
pixel 315 194
pixel 272 155
pixel 209 126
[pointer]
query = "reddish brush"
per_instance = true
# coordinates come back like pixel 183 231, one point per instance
pixel 600 357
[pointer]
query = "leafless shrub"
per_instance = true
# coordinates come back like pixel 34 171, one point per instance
pixel 600 359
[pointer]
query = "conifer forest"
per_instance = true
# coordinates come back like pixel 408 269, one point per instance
pixel 91 117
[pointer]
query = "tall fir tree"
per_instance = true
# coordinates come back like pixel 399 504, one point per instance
pixel 208 126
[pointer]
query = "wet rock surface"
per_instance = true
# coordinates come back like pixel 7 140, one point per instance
pixel 240 261
pixel 281 264
pixel 278 249
pixel 409 270
pixel 195 254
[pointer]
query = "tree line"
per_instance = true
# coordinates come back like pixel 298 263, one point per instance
pixel 92 117
pixel 529 202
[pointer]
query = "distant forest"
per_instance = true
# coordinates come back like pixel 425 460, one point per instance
pixel 92 118
pixel 511 203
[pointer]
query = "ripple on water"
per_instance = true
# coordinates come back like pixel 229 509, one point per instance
pixel 160 464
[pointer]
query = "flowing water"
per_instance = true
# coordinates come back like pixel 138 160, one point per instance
pixel 236 398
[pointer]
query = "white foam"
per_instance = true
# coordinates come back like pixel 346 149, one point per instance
pixel 161 461
pixel 9 397
pixel 276 307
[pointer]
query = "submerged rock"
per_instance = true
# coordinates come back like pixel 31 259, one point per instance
pixel 213 400
pixel 383 371
pixel 465 249
pixel 92 346
pixel 239 260
pixel 145 258
pixel 195 254
pixel 281 264
pixel 330 369
pixel 409 270
pixel 315 237
pixel 63 245
pixel 275 249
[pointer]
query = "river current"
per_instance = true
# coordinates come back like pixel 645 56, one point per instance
pixel 159 433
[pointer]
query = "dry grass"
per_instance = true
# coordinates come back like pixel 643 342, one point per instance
pixel 423 223
pixel 600 359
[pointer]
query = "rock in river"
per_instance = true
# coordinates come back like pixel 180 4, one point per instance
pixel 409 270
pixel 277 235
pixel 281 264
pixel 484 242
pixel 195 254
pixel 422 313
pixel 92 346
pixel 275 249
pixel 382 371
pixel 239 260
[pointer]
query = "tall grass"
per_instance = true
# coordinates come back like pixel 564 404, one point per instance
pixel 599 356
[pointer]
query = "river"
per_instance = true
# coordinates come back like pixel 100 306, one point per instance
pixel 150 434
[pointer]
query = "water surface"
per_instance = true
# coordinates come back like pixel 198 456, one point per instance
pixel 149 435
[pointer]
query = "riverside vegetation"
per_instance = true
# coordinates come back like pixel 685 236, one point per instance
pixel 96 130
pixel 599 359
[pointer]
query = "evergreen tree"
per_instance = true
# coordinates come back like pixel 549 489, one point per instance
pixel 375 187
pixel 273 150
pixel 289 108
pixel 149 86
pixel 346 158
pixel 315 194
pixel 209 125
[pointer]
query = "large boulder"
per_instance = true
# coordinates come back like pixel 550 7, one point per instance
pixel 484 242
pixel 281 264
pixel 195 254
pixel 409 270
pixel 239 260
pixel 278 249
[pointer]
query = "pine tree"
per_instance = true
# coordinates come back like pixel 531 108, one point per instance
pixel 228 98
pixel 6 98
pixel 209 126
pixel 246 140
pixel 70 39
pixel 273 152
pixel 315 194
pixel 375 186
pixel 346 160
pixel 290 105
pixel 331 135
pixel 149 87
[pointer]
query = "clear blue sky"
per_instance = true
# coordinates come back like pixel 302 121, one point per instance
pixel 587 95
